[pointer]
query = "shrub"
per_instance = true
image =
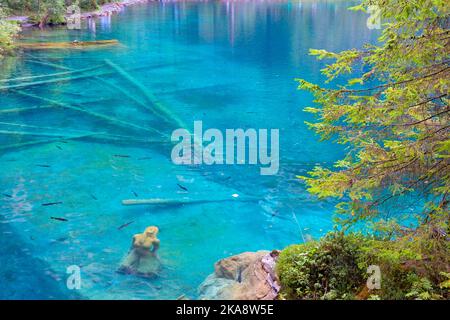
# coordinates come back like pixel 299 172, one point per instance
pixel 89 4
pixel 326 269
pixel 412 267
pixel 8 30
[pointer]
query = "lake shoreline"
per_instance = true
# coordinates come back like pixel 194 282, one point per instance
pixel 107 9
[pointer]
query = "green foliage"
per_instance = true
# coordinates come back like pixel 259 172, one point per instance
pixel 321 270
pixel 89 4
pixel 421 289
pixel 396 129
pixel 8 31
pixel 40 11
pixel 445 285
pixel 412 267
pixel 22 5
pixel 49 11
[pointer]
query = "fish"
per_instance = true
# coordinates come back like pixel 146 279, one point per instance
pixel 144 158
pixel 125 225
pixel 43 165
pixel 59 147
pixel 59 219
pixel 7 195
pixel 121 156
pixel 181 187
pixel 51 203
pixel 93 197
pixel 135 194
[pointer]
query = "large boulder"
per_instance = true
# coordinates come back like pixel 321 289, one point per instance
pixel 246 276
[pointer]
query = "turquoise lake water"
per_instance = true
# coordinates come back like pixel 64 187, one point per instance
pixel 229 64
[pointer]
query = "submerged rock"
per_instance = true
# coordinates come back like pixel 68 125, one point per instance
pixel 246 276
pixel 142 259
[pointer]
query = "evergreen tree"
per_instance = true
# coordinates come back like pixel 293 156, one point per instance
pixel 393 117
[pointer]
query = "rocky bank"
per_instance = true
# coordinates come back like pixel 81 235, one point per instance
pixel 110 8
pixel 246 276
pixel 104 10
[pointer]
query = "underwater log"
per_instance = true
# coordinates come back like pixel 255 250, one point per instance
pixel 112 120
pixel 160 201
pixel 115 88
pixel 51 74
pixel 161 110
pixel 68 45
pixel 49 64
pixel 18 110
pixel 30 143
pixel 101 136
pixel 41 82
pixel 29 133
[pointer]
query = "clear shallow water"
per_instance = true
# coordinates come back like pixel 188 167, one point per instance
pixel 229 64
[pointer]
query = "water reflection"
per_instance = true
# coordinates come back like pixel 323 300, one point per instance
pixel 105 22
pixel 279 27
pixel 91 25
